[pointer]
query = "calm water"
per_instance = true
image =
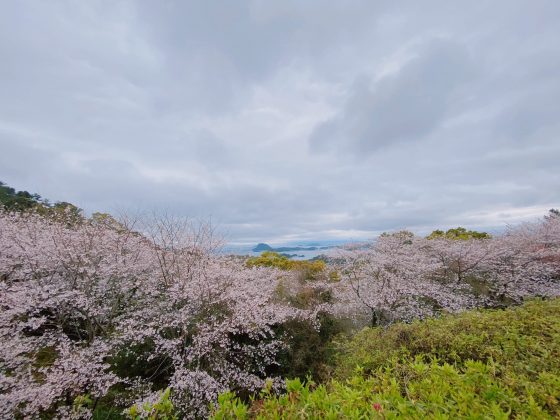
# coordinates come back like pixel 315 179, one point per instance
pixel 300 254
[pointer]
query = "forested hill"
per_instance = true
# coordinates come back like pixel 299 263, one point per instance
pixel 11 199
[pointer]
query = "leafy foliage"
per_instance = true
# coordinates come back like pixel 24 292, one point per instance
pixel 310 269
pixel 160 409
pixel 481 364
pixel 23 201
pixel 18 200
pixel 310 350
pixel 459 233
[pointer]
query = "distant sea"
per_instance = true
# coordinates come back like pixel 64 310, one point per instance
pixel 323 247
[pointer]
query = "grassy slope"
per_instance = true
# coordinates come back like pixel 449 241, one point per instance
pixel 480 364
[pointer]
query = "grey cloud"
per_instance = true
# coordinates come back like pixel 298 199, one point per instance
pixel 530 115
pixel 402 107
pixel 287 119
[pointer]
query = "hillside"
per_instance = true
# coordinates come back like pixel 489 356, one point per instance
pixel 122 318
pixel 480 364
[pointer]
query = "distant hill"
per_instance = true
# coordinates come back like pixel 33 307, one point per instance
pixel 262 247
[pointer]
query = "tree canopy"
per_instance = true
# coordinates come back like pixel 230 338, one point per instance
pixel 458 233
pixel 21 201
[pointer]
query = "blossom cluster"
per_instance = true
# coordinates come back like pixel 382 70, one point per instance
pixel 93 304
pixel 403 276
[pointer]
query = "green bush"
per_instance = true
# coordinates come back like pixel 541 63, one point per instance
pixel 309 269
pixel 309 351
pixel 480 364
pixel 159 410
pixel 516 337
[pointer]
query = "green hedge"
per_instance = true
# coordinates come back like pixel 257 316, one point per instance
pixel 480 364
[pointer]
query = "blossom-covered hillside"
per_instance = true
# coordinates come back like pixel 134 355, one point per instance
pixel 124 318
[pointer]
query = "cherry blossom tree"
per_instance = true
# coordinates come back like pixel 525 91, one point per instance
pixel 401 276
pixel 79 298
pixel 459 259
pixel 393 279
pixel 525 261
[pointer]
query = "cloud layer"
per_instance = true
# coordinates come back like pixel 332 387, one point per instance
pixel 287 120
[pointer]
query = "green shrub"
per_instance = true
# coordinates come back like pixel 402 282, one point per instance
pixel 309 269
pixel 517 337
pixel 309 351
pixel 139 360
pixel 480 364
pixel 159 410
pixel 231 407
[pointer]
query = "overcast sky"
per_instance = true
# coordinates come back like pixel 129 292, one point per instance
pixel 286 120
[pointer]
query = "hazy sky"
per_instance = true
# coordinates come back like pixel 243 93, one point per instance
pixel 286 120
